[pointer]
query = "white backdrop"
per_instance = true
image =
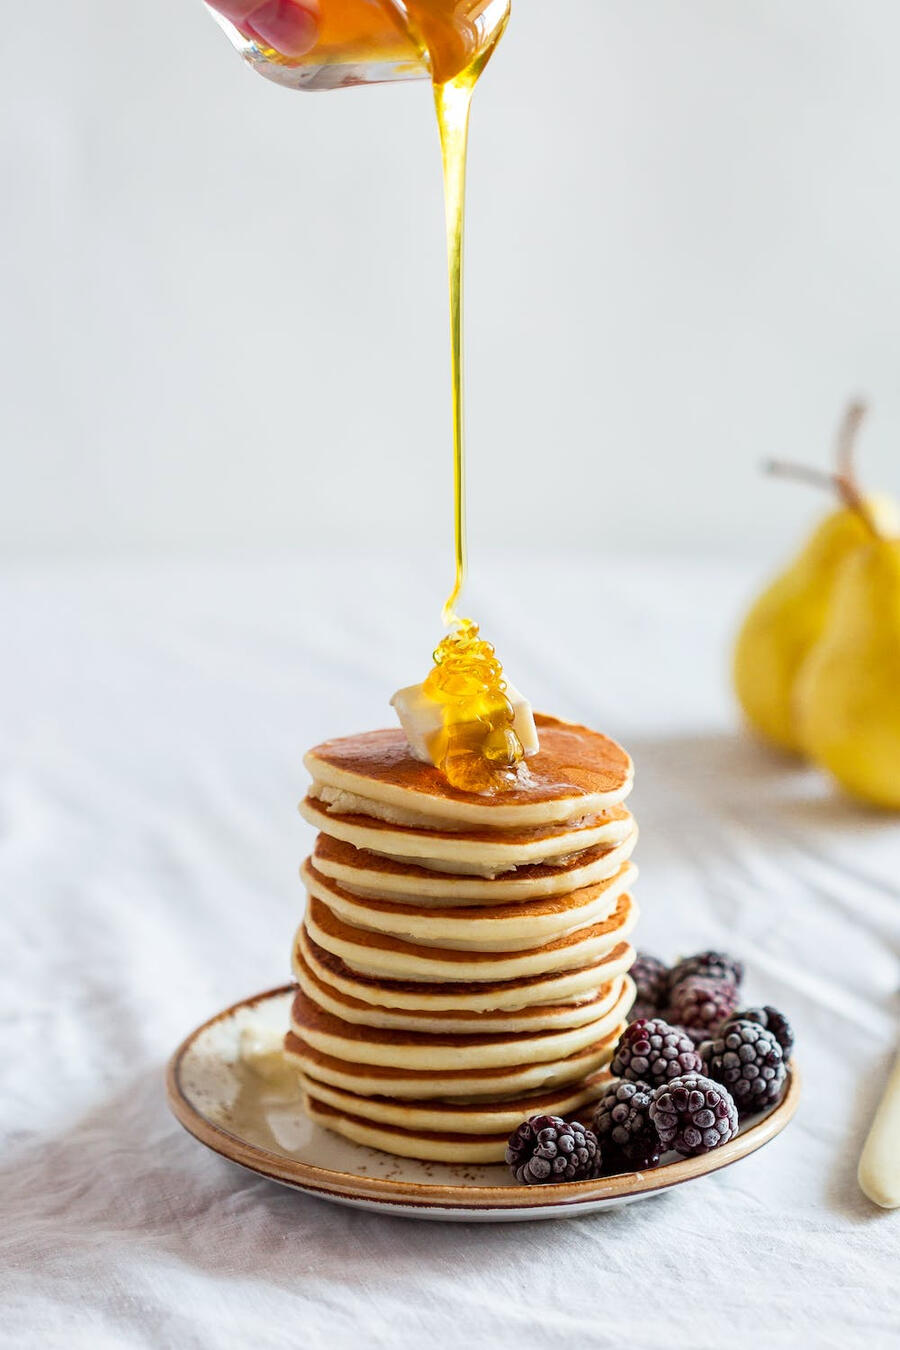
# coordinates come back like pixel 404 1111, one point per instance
pixel 223 313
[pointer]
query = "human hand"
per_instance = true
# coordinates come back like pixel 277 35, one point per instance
pixel 288 26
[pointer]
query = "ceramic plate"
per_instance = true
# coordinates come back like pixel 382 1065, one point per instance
pixel 261 1125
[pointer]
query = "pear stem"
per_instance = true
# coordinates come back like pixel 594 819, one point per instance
pixel 848 432
pixel 844 481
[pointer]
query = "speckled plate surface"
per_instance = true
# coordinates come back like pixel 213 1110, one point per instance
pixel 261 1125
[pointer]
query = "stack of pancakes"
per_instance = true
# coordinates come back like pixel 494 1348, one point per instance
pixel 462 963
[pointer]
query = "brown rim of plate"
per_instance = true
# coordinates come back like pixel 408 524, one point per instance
pixel 426 1195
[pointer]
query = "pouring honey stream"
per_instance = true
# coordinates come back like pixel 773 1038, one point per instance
pixel 450 41
pixel 477 748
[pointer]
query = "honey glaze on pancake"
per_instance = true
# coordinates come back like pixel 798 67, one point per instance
pixel 573 761
pixel 554 904
pixel 331 962
pixel 328 922
pixel 476 748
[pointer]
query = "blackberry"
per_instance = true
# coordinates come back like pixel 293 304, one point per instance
pixel 693 1114
pixel 771 1019
pixel 622 1124
pixel 711 965
pixel 748 1060
pixel 546 1149
pixel 641 1012
pixel 652 1051
pixel 700 1005
pixel 652 980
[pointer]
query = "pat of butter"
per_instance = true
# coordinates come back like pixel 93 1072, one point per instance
pixel 422 718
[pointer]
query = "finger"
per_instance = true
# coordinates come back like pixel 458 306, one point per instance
pixel 235 10
pixel 289 26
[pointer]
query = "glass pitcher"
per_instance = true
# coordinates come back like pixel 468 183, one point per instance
pixel 375 41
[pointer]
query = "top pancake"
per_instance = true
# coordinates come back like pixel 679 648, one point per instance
pixel 576 772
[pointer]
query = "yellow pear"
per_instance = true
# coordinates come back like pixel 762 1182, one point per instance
pixel 847 697
pixel 789 617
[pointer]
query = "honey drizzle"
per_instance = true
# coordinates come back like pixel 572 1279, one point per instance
pixel 477 748
pixel 453 104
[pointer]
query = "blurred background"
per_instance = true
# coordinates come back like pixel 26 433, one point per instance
pixel 224 313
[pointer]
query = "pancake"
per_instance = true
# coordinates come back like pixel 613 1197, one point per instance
pixel 576 772
pixel 471 997
pixel 375 1080
pixel 430 1147
pixel 471 850
pixel 433 1052
pixel 462 962
pixel 485 928
pixel 376 954
pixel 485 1117
pixel 547 1017
pixel 369 874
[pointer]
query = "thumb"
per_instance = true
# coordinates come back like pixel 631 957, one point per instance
pixel 288 26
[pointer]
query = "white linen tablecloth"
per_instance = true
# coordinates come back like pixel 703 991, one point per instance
pixel 153 720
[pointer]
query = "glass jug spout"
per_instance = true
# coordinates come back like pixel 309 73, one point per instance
pixel 380 41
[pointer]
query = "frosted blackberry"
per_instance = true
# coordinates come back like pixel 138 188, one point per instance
pixel 652 980
pixel 701 1004
pixel 693 1114
pixel 771 1019
pixel 711 965
pixel 546 1149
pixel 652 1051
pixel 626 1134
pixel 748 1060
